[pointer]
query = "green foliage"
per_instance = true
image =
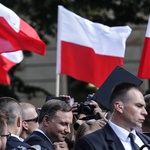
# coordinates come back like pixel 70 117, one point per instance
pixel 42 15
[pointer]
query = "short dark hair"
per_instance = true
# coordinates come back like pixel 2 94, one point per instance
pixel 119 92
pixel 51 107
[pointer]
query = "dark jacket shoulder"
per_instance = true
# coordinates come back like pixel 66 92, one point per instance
pixel 13 142
pixel 37 138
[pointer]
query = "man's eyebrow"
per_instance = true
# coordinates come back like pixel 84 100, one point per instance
pixel 141 104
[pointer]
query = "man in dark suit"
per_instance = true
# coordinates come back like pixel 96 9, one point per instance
pixel 127 107
pixel 54 124
pixel 14 123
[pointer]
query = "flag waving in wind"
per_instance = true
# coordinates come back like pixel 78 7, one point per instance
pixel 88 51
pixel 144 69
pixel 16 34
pixel 7 61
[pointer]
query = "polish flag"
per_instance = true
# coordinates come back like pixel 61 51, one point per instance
pixel 16 34
pixel 7 61
pixel 88 51
pixel 144 68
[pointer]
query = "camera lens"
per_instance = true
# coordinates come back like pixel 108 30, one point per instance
pixel 87 110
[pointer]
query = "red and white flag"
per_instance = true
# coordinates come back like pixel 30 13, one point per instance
pixel 7 61
pixel 144 68
pixel 16 34
pixel 88 51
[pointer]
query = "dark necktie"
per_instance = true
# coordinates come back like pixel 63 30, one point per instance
pixel 133 144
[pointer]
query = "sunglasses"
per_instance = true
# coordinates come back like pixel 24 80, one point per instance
pixel 34 120
pixel 6 135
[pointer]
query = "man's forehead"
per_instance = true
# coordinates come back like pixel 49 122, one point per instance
pixel 61 115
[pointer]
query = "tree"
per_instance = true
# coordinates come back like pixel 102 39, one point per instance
pixel 43 17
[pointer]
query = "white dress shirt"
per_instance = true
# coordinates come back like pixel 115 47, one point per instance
pixel 123 136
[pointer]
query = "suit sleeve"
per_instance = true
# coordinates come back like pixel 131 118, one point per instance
pixel 83 144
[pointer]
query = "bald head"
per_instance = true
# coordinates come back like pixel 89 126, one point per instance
pixel 28 111
pixel 30 119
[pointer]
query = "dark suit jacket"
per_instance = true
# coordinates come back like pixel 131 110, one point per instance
pixel 104 139
pixel 14 142
pixel 37 138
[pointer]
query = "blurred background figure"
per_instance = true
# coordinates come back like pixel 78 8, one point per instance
pixel 89 110
pixel 30 119
pixel 61 146
pixel 3 129
pixel 14 123
pixel 146 123
pixel 88 116
pixel 86 128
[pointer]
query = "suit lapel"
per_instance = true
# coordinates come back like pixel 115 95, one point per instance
pixel 47 141
pixel 144 138
pixel 112 139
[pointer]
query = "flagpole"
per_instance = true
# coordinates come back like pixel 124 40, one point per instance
pixel 57 84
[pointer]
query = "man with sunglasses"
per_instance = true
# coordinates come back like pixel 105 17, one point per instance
pixel 30 119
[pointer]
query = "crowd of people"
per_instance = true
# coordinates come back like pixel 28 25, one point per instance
pixel 61 125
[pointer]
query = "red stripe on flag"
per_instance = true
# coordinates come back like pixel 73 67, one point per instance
pixel 5 66
pixel 144 69
pixel 25 39
pixel 81 62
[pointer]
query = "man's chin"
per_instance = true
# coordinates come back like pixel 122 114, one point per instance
pixel 62 139
pixel 138 126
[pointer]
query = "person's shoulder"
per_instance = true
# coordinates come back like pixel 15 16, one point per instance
pixel 35 136
pixel 93 137
pixel 144 136
pixel 90 141
pixel 146 133
pixel 104 133
pixel 13 139
pixel 14 142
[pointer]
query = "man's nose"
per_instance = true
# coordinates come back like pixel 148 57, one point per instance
pixel 144 111
pixel 68 130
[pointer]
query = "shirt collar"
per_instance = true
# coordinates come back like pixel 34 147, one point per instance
pixel 39 130
pixel 121 132
pixel 15 136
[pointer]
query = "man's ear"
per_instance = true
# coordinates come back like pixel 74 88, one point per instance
pixel 46 120
pixel 118 106
pixel 25 125
pixel 19 121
